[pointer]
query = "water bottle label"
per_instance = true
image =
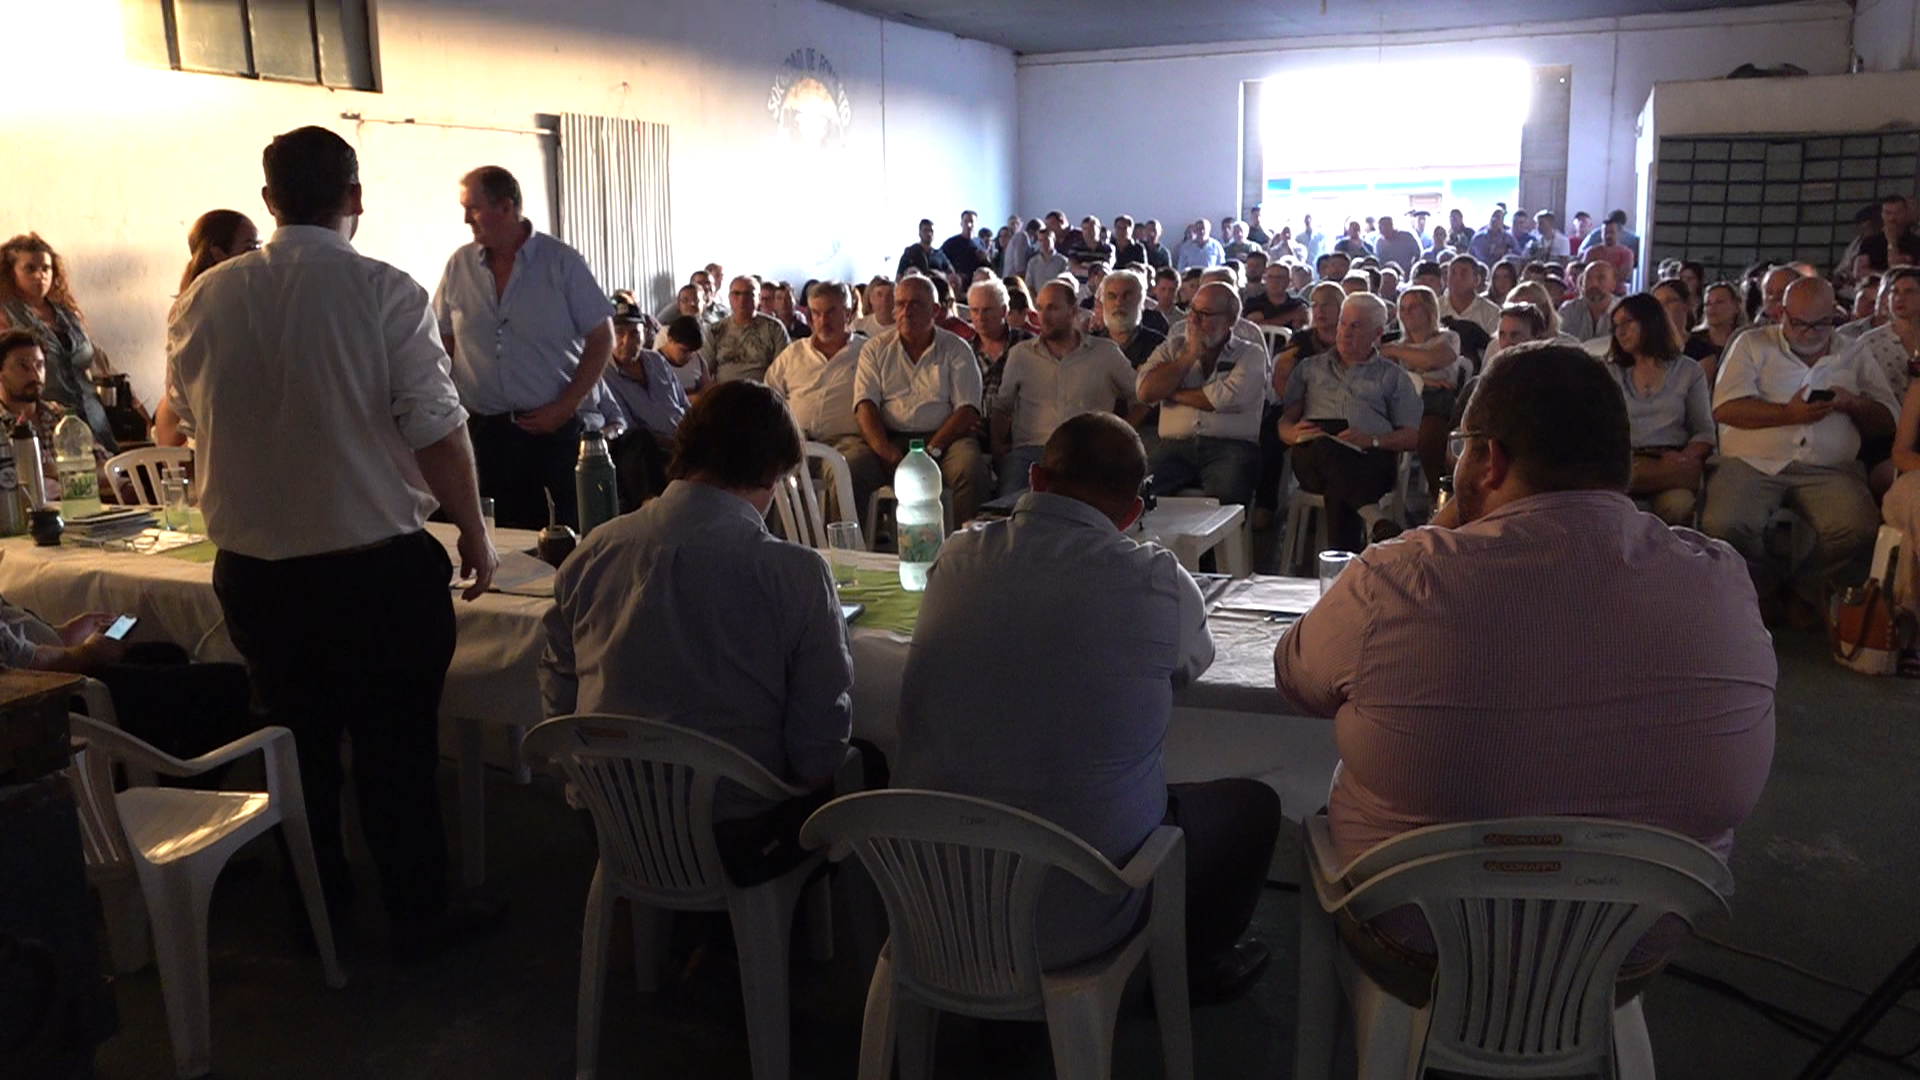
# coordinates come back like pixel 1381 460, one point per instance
pixel 919 543
pixel 78 484
pixel 9 475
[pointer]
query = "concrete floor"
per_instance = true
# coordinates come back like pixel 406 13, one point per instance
pixel 1827 870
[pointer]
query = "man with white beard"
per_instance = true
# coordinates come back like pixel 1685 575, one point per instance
pixel 1050 380
pixel 1123 298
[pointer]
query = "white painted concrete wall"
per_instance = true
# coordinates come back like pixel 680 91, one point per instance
pixel 1886 34
pixel 1156 132
pixel 113 162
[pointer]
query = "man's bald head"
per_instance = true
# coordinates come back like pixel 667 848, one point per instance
pixel 1095 458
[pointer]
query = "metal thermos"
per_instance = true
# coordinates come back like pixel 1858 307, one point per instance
pixel 594 485
pixel 13 512
pixel 28 466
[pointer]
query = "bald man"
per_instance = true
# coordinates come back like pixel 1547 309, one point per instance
pixel 993 705
pixel 1211 387
pixel 1792 413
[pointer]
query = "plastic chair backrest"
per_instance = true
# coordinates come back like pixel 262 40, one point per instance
pixel 649 786
pixel 143 469
pixel 102 838
pixel 1532 920
pixel 834 469
pixel 961 879
pixel 799 509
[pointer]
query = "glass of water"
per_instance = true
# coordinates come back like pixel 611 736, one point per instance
pixel 175 512
pixel 843 549
pixel 1331 564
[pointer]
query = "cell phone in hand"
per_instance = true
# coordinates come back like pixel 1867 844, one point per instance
pixel 121 627
pixel 1332 425
pixel 1820 395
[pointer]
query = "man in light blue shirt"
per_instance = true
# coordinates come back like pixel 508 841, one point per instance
pixel 1198 251
pixel 1042 675
pixel 529 331
pixel 648 396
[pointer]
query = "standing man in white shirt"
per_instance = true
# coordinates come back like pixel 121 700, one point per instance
pixel 921 382
pixel 1052 379
pixel 1211 388
pixel 328 427
pixel 1791 415
pixel 530 332
pixel 814 375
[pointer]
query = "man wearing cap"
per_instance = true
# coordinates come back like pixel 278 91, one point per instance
pixel 651 399
pixel 529 332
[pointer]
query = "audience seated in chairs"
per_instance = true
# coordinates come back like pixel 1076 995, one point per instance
pixel 1669 408
pixel 1042 676
pixel 1544 571
pixel 651 402
pixel 1053 378
pixel 814 375
pixel 1211 388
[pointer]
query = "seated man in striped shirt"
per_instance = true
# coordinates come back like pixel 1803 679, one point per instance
pixel 1594 661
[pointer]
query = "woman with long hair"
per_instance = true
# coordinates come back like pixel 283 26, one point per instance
pixel 1501 280
pixel 216 236
pixel 1722 317
pixel 1432 352
pixel 1668 408
pixel 1535 293
pixel 35 295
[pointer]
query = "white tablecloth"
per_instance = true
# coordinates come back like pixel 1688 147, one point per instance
pixel 1232 722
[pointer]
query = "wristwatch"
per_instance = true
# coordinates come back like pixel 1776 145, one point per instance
pixel 936 452
pixel 1376 442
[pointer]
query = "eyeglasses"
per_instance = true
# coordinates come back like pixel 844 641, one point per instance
pixel 1457 442
pixel 1203 313
pixel 1811 324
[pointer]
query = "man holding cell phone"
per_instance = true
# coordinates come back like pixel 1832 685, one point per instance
pixel 1792 412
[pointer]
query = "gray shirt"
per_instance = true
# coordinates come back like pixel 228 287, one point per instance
pixel 745 352
pixel 1678 412
pixel 1041 676
pixel 518 349
pixel 1577 318
pixel 1375 397
pixel 21 634
pixel 688 611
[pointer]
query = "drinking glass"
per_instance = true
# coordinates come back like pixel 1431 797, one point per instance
pixel 174 510
pixel 486 514
pixel 1331 564
pixel 843 548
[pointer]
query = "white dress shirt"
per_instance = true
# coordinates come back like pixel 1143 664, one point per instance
pixel 308 374
pixel 1483 313
pixel 819 389
pixel 1041 675
pixel 1759 364
pixel 517 350
pixel 1237 389
pixel 1039 393
pixel 917 397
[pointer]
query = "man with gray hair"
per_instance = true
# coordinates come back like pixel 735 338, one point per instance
pixel 1211 387
pixel 530 333
pixel 919 382
pixel 815 376
pixel 994 337
pixel 1347 414
pixel 1052 379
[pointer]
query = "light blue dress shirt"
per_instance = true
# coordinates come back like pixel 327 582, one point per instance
pixel 516 351
pixel 657 406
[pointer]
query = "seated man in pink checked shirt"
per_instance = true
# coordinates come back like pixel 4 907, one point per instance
pixel 1544 647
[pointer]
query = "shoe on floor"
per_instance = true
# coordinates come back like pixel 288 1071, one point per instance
pixel 1226 975
pixel 463 921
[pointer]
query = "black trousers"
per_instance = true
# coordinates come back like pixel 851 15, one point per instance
pixel 1348 479
pixel 640 461
pixel 1231 826
pixel 183 709
pixel 518 470
pixel 1273 461
pixel 357 644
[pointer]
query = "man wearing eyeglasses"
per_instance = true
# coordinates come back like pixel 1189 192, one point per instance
pixel 1791 414
pixel 1211 387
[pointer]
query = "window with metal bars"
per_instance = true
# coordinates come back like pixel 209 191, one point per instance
pixel 325 42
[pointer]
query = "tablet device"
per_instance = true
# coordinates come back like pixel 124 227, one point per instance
pixel 851 612
pixel 1332 425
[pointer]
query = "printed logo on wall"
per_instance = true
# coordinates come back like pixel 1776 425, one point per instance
pixel 811 113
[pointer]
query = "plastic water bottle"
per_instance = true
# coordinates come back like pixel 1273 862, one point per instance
pixel 594 486
pixel 73 458
pixel 922 525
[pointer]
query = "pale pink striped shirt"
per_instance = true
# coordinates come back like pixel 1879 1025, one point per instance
pixel 1565 654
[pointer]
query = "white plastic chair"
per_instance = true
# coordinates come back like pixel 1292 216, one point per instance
pixel 177 840
pixel 1306 532
pixel 961 878
pixel 649 786
pixel 1532 919
pixel 833 469
pixel 142 470
pixel 803 519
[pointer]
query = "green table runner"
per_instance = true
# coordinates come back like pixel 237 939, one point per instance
pixel 889 607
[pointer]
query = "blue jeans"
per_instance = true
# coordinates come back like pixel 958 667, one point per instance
pixel 1225 468
pixel 1013 469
